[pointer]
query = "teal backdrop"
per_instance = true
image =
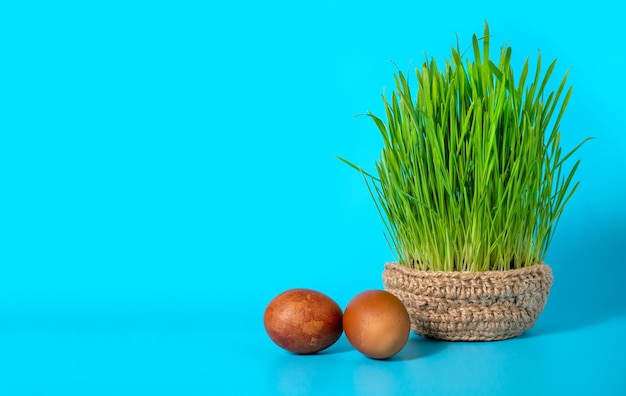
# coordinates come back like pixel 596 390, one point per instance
pixel 166 168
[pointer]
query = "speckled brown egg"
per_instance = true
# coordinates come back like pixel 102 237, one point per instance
pixel 303 321
pixel 377 324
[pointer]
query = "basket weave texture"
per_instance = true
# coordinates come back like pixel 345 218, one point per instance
pixel 470 306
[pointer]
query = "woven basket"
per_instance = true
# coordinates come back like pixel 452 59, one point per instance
pixel 470 306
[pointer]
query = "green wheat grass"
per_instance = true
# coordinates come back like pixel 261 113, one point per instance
pixel 472 176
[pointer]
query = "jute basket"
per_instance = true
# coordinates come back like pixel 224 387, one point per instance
pixel 470 306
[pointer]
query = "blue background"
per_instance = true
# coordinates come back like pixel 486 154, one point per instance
pixel 166 168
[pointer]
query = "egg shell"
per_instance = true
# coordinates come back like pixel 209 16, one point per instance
pixel 377 324
pixel 303 321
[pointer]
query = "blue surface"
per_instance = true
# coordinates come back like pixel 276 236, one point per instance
pixel 168 168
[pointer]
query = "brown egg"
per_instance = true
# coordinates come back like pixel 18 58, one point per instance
pixel 377 324
pixel 303 321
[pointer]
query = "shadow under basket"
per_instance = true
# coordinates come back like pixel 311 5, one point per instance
pixel 470 306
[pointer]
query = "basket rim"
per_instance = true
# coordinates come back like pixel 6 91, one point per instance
pixel 468 275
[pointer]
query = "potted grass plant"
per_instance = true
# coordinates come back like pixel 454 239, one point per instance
pixel 471 183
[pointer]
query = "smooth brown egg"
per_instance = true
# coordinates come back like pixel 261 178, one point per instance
pixel 303 321
pixel 377 324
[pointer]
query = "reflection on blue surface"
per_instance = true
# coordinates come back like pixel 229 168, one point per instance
pixel 295 378
pixel 372 378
